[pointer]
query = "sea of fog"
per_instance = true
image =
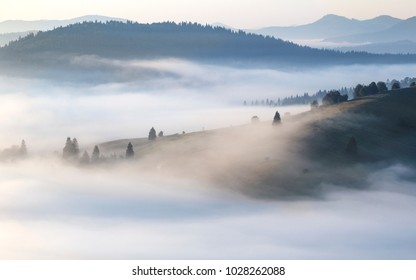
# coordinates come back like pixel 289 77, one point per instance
pixel 54 210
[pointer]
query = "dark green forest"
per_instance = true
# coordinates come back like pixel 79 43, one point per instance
pixel 184 40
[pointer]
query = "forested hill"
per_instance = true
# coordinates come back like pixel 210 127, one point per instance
pixel 186 40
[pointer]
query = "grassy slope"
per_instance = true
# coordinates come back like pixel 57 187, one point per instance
pixel 298 157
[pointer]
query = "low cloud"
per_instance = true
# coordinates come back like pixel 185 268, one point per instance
pixel 65 212
pixel 167 207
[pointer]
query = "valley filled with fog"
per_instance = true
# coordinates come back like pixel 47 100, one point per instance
pixel 159 207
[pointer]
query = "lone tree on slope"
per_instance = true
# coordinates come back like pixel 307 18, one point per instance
pixel 395 85
pixel 95 157
pixel 129 151
pixel 152 134
pixel 277 120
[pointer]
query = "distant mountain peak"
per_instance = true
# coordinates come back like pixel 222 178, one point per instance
pixel 384 17
pixel 411 19
pixel 332 18
pixel 96 17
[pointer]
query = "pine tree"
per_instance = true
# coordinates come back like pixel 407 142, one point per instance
pixel 160 134
pixel 75 147
pixel 152 134
pixel 129 151
pixel 67 149
pixel 95 157
pixel 71 149
pixel 276 119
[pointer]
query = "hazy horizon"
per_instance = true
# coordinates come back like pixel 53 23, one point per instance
pixel 249 14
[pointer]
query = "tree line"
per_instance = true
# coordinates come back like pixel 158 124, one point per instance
pixel 327 97
pixel 115 39
pixel 71 150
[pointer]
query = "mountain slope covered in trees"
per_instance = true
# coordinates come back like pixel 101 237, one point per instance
pixel 162 40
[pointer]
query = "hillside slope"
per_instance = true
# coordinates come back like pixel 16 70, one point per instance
pixel 119 40
pixel 297 157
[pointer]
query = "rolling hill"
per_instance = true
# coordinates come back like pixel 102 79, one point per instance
pixel 57 49
pixel 297 157
pixel 12 30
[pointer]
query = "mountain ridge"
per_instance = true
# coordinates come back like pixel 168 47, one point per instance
pixel 185 40
pixel 329 26
pixel 14 26
pixel 401 31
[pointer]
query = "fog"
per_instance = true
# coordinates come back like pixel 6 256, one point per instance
pixel 210 195
pixel 170 95
pixel 56 212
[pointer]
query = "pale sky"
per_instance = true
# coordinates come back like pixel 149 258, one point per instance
pixel 240 14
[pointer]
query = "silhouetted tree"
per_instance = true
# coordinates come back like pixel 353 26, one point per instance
pixel 334 97
pixel 382 87
pixel 395 85
pixel 255 119
pixel 372 88
pixel 160 134
pixel 277 120
pixel 67 151
pixel 75 147
pixel 352 148
pixel 95 157
pixel 129 151
pixel 357 91
pixel 85 159
pixel 152 134
pixel 413 84
pixel 71 149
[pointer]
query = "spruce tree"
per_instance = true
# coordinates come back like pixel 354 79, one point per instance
pixel 67 149
pixel 75 147
pixel 129 151
pixel 95 157
pixel 276 119
pixel 152 134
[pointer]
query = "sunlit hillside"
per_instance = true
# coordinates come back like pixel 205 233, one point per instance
pixel 294 157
